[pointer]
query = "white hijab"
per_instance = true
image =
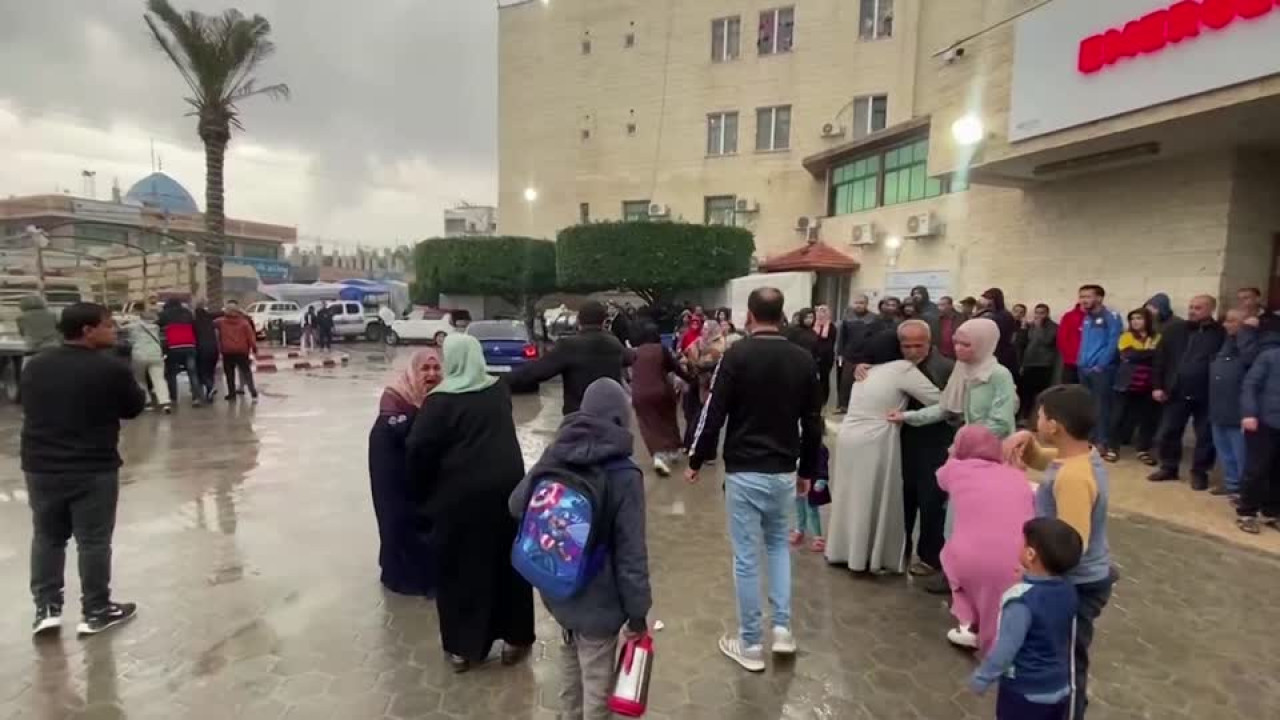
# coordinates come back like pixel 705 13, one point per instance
pixel 983 334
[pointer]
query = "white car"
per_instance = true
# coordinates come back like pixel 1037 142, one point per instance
pixel 417 327
pixel 264 312
pixel 350 320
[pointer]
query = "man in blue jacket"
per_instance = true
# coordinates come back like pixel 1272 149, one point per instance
pixel 1099 342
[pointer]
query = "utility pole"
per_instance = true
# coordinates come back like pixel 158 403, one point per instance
pixel 38 239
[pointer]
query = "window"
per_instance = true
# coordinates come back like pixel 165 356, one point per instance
pixel 586 46
pixel 889 177
pixel 726 34
pixel 257 250
pixel 722 133
pixel 629 40
pixel 719 209
pixel 854 186
pixel 773 128
pixel 584 213
pixel 635 210
pixel 869 114
pixel 906 175
pixel 777 31
pixel 455 225
pixel 876 19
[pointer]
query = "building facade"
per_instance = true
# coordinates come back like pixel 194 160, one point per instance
pixel 960 145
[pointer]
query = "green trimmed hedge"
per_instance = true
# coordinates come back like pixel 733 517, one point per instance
pixel 510 267
pixel 651 259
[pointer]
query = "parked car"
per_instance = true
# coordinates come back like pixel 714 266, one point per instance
pixel 422 325
pixel 350 320
pixel 506 344
pixel 263 313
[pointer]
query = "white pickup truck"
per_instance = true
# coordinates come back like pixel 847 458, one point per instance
pixel 424 326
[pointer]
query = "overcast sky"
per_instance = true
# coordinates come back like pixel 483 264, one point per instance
pixel 393 115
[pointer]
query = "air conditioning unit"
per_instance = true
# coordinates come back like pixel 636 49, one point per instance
pixel 656 210
pixel 921 225
pixel 803 222
pixel 864 234
pixel 811 235
pixel 831 130
pixel 743 205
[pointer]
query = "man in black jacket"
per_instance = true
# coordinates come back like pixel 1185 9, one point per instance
pixel 856 330
pixel 580 359
pixel 766 388
pixel 73 399
pixel 1181 381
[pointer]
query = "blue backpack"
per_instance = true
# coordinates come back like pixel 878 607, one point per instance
pixel 562 542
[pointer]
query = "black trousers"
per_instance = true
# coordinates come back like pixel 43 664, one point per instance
pixel 1177 412
pixel 233 362
pixel 67 505
pixel 1092 598
pixel 181 360
pixel 206 368
pixel 844 385
pixel 824 379
pixel 1070 375
pixel 1134 412
pixel 324 337
pixel 921 494
pixel 1035 380
pixel 1262 473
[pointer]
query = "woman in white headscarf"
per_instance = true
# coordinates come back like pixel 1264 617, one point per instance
pixel 981 391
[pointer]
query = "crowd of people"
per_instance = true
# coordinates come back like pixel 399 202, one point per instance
pixel 926 476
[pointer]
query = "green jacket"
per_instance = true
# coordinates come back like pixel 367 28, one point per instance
pixel 993 403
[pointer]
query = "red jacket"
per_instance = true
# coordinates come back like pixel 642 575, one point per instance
pixel 236 335
pixel 1069 329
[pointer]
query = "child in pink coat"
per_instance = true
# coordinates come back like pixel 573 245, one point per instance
pixel 990 502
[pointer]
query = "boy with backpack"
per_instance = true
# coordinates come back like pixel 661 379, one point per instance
pixel 582 543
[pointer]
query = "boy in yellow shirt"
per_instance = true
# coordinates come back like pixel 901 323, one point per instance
pixel 1075 490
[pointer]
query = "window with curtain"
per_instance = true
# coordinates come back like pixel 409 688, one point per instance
pixel 726 36
pixel 777 31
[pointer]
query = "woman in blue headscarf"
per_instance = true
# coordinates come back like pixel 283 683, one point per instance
pixel 466 461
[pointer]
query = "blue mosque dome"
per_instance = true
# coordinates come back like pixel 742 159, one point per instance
pixel 161 192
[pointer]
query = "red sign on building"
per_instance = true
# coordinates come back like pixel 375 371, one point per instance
pixel 1153 32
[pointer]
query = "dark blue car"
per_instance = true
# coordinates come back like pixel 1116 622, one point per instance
pixel 506 344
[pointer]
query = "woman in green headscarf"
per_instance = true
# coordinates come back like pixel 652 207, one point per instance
pixel 466 461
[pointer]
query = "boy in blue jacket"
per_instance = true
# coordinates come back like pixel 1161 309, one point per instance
pixel 1260 408
pixel 1032 655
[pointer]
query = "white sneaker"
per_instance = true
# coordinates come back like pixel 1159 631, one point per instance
pixel 963 637
pixel 660 466
pixel 784 643
pixel 750 658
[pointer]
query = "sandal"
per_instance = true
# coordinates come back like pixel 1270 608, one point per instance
pixel 1111 456
pixel 1249 525
pixel 797 538
pixel 818 545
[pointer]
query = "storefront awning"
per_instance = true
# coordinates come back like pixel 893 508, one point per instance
pixel 813 257
pixel 818 163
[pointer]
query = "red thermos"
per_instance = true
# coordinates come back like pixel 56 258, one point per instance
pixel 630 697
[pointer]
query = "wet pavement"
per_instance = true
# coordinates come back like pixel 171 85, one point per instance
pixel 246 535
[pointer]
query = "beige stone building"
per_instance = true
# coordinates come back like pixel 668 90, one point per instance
pixel 1146 159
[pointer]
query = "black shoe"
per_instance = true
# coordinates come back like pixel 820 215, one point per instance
pixel 513 654
pixel 254 395
pixel 48 620
pixel 457 663
pixel 108 617
pixel 936 584
pixel 1162 476
pixel 1199 482
pixel 231 397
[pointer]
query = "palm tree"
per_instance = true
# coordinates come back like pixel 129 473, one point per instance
pixel 216 56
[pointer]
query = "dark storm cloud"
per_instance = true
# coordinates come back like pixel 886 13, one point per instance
pixel 382 80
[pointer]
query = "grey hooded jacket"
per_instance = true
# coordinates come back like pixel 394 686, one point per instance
pixel 595 435
pixel 38 324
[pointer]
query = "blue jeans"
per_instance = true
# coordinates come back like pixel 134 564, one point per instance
pixel 759 504
pixel 1098 382
pixel 1228 440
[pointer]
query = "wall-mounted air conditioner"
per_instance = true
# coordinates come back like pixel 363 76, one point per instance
pixel 922 225
pixel 864 234
pixel 656 210
pixel 744 205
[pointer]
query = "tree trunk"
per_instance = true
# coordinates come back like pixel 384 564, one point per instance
pixel 215 135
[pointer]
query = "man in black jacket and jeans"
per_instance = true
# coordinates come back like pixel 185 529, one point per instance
pixel 581 359
pixel 766 388
pixel 73 399
pixel 1181 381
